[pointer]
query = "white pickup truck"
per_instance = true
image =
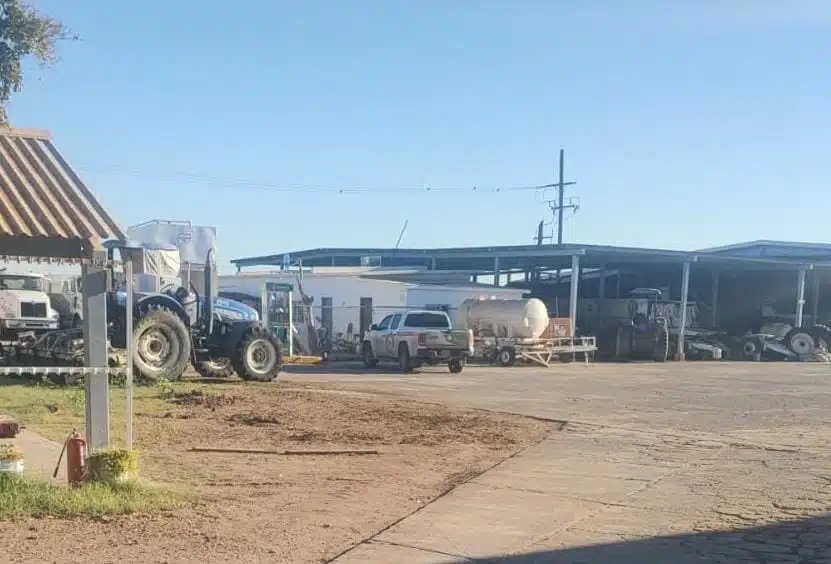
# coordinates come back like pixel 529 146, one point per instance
pixel 417 337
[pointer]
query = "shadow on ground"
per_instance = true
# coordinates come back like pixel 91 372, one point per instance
pixel 806 541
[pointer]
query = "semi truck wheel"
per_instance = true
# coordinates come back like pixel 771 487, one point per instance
pixel 259 356
pixel 161 346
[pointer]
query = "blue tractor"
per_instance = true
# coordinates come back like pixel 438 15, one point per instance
pixel 646 335
pixel 177 326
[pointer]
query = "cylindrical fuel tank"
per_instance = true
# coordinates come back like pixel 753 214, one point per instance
pixel 527 319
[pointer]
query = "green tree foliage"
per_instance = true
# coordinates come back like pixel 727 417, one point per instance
pixel 24 32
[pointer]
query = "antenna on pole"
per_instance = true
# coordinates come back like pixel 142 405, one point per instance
pixel 401 235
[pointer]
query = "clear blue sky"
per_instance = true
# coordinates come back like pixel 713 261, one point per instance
pixel 686 124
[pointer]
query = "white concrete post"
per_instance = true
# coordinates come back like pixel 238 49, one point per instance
pixel 96 386
pixel 291 326
pixel 572 298
pixel 800 297
pixel 685 288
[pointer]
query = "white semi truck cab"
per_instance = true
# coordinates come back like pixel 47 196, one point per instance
pixel 24 306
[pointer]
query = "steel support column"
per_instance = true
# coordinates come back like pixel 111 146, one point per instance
pixel 496 271
pixel 714 303
pixel 800 297
pixel 815 298
pixel 572 298
pixel 97 393
pixel 685 290
pixel 601 288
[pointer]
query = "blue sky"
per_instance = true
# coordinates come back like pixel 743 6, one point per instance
pixel 686 124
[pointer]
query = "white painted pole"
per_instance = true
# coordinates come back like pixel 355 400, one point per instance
pixel 291 326
pixel 800 297
pixel 572 298
pixel 128 275
pixel 685 290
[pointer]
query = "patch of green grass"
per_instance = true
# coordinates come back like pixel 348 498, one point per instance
pixel 24 497
pixel 53 411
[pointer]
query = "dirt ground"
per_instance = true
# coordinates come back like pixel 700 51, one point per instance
pixel 269 508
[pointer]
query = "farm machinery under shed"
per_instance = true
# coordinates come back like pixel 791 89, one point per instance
pixel 172 327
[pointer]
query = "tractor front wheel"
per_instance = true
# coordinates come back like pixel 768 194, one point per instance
pixel 258 357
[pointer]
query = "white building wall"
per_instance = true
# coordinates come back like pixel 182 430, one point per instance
pixel 347 290
pixel 346 293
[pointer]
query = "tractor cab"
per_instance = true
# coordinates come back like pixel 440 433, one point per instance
pixel 643 319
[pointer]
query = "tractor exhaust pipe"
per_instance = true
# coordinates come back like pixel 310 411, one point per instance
pixel 210 268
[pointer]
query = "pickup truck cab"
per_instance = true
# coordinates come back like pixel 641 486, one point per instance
pixel 417 337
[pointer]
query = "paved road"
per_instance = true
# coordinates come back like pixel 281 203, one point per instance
pixel 694 462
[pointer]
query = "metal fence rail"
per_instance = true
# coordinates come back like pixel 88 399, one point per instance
pixel 58 370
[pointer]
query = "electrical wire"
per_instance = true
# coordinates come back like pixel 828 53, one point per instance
pixel 205 180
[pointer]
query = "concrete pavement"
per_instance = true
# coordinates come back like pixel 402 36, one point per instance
pixel 40 456
pixel 656 463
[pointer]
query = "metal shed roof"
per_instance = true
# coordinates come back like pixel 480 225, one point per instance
pixel 46 210
pixel 519 257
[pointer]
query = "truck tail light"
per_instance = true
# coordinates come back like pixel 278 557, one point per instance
pixel 422 339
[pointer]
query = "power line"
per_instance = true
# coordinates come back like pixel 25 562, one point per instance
pixel 193 178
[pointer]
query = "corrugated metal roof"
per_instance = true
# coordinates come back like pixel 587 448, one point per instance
pixel 42 197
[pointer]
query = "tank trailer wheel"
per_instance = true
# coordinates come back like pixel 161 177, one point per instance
pixel 215 368
pixel 162 346
pixel 259 357
pixel 507 356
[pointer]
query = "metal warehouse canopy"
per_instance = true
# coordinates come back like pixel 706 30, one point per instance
pixel 524 257
pixel 46 211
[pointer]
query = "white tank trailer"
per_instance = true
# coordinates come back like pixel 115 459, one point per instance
pixel 509 330
pixel 523 319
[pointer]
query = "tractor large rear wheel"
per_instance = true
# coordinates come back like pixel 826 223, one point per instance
pixel 161 345
pixel 259 356
pixel 660 351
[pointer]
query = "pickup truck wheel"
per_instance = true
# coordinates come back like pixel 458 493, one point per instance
pixel 507 356
pixel 455 365
pixel 404 362
pixel 369 359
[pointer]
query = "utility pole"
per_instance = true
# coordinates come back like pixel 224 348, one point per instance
pixel 562 205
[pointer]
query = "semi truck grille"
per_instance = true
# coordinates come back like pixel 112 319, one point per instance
pixel 32 309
